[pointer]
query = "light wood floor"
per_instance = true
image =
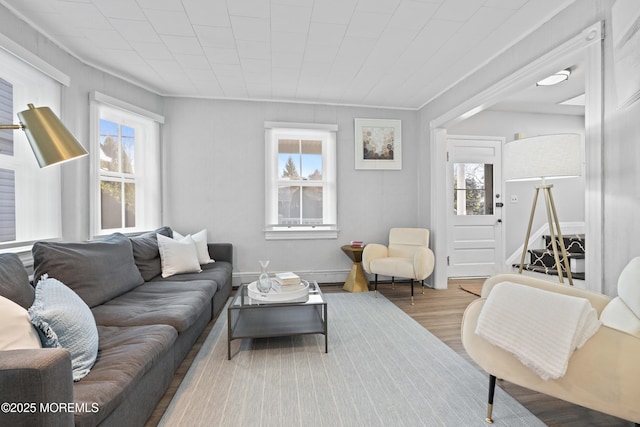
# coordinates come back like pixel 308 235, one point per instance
pixel 441 312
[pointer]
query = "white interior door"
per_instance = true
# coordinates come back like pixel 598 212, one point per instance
pixel 474 198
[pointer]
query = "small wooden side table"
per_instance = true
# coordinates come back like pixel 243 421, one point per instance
pixel 356 281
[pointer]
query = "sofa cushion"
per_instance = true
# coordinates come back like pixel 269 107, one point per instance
pixel 14 281
pixel 218 272
pixel 97 271
pixel 16 330
pixel 64 321
pixel 629 286
pixel 124 356
pixel 178 304
pixel 178 256
pixel 146 253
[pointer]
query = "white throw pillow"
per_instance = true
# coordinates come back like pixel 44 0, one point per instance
pixel 16 330
pixel 201 245
pixel 178 256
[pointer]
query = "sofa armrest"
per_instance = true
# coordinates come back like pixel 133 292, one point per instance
pixel 221 252
pixel 598 301
pixel 371 252
pixel 30 382
pixel 423 263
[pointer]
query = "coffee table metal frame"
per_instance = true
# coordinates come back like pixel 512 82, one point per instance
pixel 247 318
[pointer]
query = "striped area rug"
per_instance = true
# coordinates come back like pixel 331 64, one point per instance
pixel 382 369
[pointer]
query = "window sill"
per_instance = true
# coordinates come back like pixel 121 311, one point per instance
pixel 300 233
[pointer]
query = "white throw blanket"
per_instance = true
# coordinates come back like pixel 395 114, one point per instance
pixel 541 328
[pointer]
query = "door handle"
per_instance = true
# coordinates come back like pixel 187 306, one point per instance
pixel 499 220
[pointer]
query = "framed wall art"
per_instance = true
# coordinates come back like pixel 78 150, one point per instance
pixel 378 144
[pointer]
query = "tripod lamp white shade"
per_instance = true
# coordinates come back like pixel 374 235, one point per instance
pixel 543 157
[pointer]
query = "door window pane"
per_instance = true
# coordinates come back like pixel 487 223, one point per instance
pixel 473 189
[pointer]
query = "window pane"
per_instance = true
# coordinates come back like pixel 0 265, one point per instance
pixel 130 205
pixel 311 205
pixel 111 204
pixel 311 160
pixel 289 205
pixel 473 189
pixel 109 146
pixel 6 117
pixel 7 205
pixel 128 149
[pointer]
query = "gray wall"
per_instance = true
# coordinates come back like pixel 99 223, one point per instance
pixel 214 178
pixel 567 193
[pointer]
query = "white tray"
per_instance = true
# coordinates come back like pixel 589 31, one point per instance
pixel 290 295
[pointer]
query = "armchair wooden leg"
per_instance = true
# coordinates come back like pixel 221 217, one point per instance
pixel 492 389
pixel 422 282
pixel 393 282
pixel 375 287
pixel 412 303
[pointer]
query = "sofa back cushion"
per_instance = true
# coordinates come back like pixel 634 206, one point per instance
pixel 146 253
pixel 97 271
pixel 14 281
pixel 629 286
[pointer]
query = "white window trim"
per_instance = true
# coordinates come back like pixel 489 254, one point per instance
pixel 329 149
pixel 145 218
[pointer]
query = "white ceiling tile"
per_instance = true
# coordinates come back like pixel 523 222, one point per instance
pixel 412 15
pixel 168 22
pixel 355 49
pixel 250 8
pixel 457 10
pixel 253 29
pixel 257 79
pixel 221 55
pixel 169 5
pixel 152 50
pixel 378 6
pixel 227 70
pixel 215 36
pixel 167 69
pixel 107 39
pixel 505 4
pixel 197 62
pixel 283 76
pixel 321 33
pixel 333 11
pixel 320 53
pixel 255 66
pixel 290 19
pixel 284 42
pixel 210 12
pixel 121 9
pixel 254 50
pixel 184 45
pixel 367 24
pixel 287 59
pixel 259 91
pixel 137 31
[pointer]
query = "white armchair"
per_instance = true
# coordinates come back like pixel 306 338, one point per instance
pixel 407 256
pixel 602 375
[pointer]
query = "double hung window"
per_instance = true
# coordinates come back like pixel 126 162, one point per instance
pixel 300 181
pixel 126 160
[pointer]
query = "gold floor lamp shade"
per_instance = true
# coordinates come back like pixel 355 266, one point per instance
pixel 50 140
pixel 541 158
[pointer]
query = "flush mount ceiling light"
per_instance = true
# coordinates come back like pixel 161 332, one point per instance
pixel 556 78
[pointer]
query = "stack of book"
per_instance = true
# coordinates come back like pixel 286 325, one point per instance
pixel 286 282
pixel 356 243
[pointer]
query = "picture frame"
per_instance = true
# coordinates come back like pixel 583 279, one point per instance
pixel 378 144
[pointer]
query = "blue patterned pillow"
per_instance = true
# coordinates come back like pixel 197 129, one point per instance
pixel 64 320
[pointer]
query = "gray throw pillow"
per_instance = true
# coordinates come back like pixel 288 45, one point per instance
pixel 63 320
pixel 97 271
pixel 14 281
pixel 146 253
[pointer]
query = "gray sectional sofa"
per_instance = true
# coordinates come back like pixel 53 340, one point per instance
pixel 146 325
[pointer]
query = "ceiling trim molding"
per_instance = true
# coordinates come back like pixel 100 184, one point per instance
pixel 33 60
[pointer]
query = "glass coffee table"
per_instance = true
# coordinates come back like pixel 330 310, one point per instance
pixel 248 318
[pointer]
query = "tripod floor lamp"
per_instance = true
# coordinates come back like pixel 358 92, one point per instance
pixel 541 158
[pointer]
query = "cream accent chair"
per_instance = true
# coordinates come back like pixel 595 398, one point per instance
pixel 408 256
pixel 603 375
